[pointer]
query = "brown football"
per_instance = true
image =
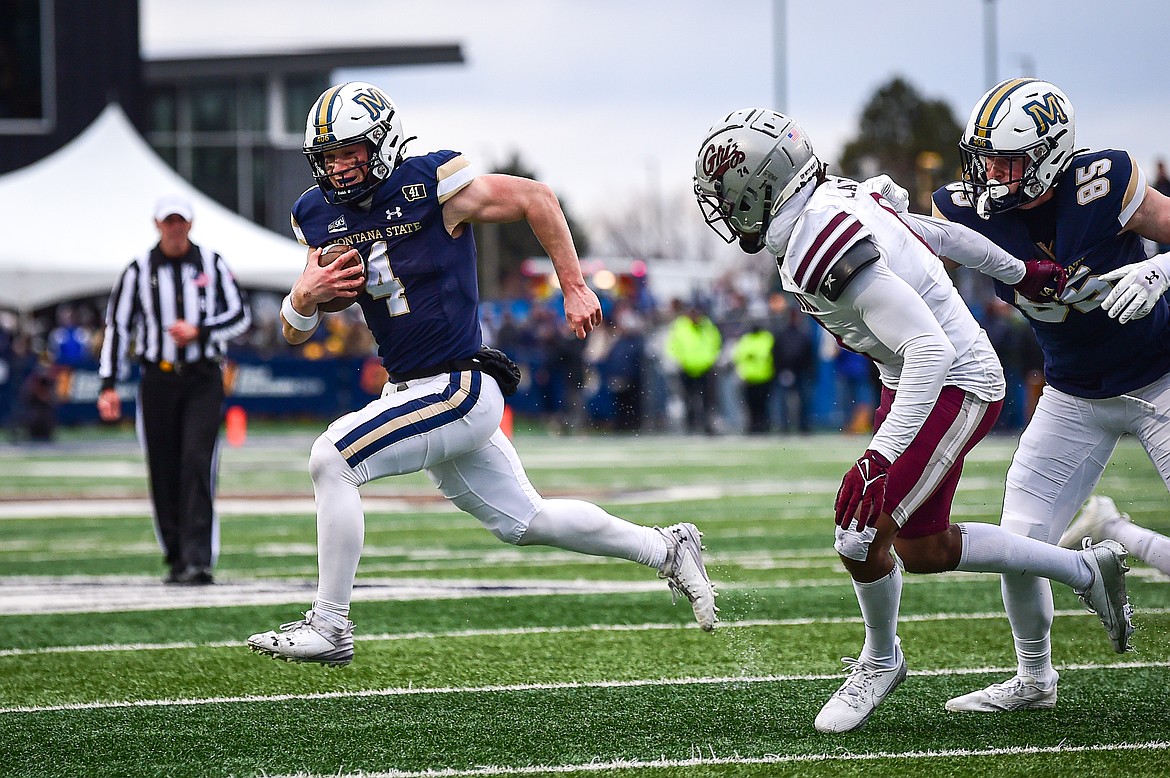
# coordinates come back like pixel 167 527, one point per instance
pixel 328 254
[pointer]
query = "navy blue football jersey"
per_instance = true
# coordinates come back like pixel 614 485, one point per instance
pixel 421 299
pixel 1086 353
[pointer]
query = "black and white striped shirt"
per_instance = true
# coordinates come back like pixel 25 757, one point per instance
pixel 153 293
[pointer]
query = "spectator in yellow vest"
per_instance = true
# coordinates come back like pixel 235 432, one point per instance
pixel 694 344
pixel 756 368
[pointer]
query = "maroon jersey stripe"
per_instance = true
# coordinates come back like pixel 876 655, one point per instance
pixel 816 245
pixel 831 255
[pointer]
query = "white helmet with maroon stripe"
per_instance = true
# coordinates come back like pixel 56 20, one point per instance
pixel 749 165
pixel 349 113
pixel 1022 118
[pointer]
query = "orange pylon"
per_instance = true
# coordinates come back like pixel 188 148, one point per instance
pixel 506 422
pixel 236 421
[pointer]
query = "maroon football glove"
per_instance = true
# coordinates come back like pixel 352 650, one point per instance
pixel 865 486
pixel 1041 275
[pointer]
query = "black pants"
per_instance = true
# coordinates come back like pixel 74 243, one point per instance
pixel 699 396
pixel 758 399
pixel 180 419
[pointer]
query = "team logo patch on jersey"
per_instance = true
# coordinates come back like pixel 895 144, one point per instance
pixel 337 225
pixel 414 192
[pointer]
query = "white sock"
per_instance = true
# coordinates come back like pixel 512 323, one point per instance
pixel 1146 545
pixel 576 525
pixel 879 603
pixel 1028 602
pixel 341 526
pixel 334 614
pixel 989 548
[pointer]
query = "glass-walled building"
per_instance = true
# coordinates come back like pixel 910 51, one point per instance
pixel 233 126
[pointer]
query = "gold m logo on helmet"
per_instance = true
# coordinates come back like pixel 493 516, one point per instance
pixel 1046 112
pixel 373 101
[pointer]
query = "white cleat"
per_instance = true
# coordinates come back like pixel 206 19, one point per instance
pixel 1018 693
pixel 1098 512
pixel 308 640
pixel 1106 594
pixel 863 691
pixel 685 573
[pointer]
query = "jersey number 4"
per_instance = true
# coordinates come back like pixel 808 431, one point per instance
pixel 382 284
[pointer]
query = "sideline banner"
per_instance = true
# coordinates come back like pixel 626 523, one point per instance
pixel 264 387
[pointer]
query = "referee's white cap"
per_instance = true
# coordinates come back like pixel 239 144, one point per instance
pixel 173 204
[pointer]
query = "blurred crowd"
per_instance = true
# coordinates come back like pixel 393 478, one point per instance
pixel 735 360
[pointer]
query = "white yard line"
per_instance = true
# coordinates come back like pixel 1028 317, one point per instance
pixel 769 759
pixel 507 631
pixel 428 500
pixel 34 595
pixel 409 691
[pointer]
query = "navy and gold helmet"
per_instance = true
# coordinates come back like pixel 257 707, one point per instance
pixel 1023 118
pixel 349 113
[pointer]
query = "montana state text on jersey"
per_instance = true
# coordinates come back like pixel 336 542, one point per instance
pixel 421 285
pixel 1086 353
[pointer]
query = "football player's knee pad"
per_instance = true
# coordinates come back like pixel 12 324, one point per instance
pixel 503 523
pixel 326 463
pixel 1026 525
pixel 854 545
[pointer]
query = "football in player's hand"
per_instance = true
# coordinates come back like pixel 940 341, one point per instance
pixel 328 255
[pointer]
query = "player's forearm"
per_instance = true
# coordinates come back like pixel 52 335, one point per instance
pixel 966 247
pixel 550 227
pixel 923 374
pixel 294 324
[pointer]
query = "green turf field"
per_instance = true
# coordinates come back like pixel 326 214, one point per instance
pixel 477 658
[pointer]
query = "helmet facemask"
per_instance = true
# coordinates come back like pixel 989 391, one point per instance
pixel 347 115
pixel 1003 193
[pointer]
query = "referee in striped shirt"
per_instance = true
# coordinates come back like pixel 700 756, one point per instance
pixel 175 307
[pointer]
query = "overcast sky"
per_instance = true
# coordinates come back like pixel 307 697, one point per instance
pixel 606 99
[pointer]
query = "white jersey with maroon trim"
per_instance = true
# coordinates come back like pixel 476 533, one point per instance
pixel 839 214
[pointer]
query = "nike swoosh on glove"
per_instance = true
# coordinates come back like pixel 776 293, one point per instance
pixel 1044 280
pixel 1136 290
pixel 864 487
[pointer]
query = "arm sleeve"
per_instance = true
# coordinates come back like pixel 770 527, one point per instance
pixel 233 318
pixel 119 317
pixel 901 320
pixel 965 246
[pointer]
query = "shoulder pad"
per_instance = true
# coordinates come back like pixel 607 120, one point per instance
pixel 857 256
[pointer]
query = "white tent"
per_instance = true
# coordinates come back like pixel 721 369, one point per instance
pixel 71 222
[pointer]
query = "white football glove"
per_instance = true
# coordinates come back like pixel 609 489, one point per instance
pixel 885 186
pixel 1136 288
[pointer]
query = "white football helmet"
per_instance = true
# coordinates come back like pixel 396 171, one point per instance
pixel 749 165
pixel 1024 118
pixel 353 112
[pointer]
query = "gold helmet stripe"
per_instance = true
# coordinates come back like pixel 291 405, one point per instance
pixel 992 103
pixel 323 110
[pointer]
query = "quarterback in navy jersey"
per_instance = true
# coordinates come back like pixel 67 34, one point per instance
pixel 402 238
pixel 408 220
pixel 1105 339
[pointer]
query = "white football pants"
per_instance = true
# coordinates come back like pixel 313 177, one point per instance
pixel 448 425
pixel 1060 458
